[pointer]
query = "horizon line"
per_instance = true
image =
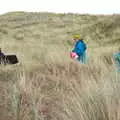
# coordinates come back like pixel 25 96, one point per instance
pixel 80 13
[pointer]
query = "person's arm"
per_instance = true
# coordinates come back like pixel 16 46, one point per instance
pixel 76 49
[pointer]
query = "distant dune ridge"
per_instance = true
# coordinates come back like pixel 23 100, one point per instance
pixel 47 84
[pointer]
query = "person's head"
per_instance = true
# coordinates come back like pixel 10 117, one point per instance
pixel 76 37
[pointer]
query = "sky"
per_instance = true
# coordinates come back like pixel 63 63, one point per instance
pixel 62 6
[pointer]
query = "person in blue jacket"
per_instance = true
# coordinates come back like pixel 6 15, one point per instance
pixel 116 58
pixel 80 48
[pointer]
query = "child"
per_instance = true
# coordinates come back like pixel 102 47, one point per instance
pixel 79 49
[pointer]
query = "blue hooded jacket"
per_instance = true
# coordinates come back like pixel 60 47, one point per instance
pixel 80 47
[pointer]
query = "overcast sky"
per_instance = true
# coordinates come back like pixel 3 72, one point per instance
pixel 61 6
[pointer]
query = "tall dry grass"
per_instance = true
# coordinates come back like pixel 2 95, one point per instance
pixel 68 91
pixel 47 84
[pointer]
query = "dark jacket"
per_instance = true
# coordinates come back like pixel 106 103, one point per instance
pixel 2 54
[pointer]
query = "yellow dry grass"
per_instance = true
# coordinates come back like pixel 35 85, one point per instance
pixel 47 84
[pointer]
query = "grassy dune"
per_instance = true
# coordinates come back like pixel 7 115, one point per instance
pixel 47 84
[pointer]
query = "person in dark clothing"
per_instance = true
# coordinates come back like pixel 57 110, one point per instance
pixel 8 59
pixel 1 53
pixel 2 57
